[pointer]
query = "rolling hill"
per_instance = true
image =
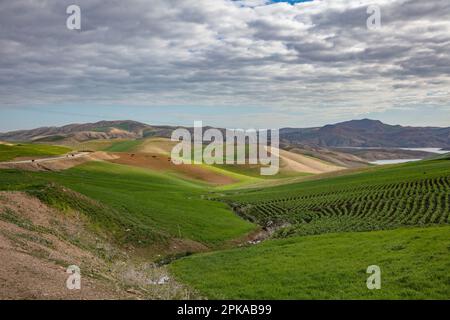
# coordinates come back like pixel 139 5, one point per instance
pixel 120 129
pixel 154 207
pixel 325 224
pixel 354 133
pixel 326 232
pixel 372 199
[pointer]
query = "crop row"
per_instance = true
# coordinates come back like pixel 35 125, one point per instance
pixel 361 207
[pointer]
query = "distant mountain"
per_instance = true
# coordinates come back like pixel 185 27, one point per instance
pixel 368 133
pixel 81 132
pixel 354 133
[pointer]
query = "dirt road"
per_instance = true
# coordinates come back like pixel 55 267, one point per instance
pixel 67 156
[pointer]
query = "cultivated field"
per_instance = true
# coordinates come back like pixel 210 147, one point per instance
pixel 379 198
pixel 324 257
pixel 314 225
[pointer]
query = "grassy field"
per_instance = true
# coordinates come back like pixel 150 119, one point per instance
pixel 151 206
pixel 123 146
pixel 10 152
pixel 414 264
pixel 254 171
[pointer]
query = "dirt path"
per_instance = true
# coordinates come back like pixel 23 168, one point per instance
pixel 57 163
pixel 49 159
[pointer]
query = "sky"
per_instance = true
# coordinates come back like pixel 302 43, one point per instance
pixel 235 64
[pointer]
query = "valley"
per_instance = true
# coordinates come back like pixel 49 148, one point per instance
pixel 225 159
pixel 140 227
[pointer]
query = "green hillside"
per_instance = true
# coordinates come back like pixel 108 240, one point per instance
pixel 379 198
pixel 10 152
pixel 315 252
pixel 142 207
pixel 323 257
pixel 123 146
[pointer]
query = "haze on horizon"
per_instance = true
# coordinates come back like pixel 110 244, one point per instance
pixel 247 63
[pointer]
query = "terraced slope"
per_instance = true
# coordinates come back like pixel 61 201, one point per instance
pixel 382 198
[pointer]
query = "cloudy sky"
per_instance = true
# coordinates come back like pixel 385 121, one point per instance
pixel 249 63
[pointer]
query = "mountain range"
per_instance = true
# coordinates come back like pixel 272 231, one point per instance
pixel 355 133
pixel 369 133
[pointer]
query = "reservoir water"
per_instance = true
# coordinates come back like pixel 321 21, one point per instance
pixel 431 150
pixel 395 161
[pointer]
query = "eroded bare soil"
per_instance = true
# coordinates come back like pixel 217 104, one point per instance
pixel 38 243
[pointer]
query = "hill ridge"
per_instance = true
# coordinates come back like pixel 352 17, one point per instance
pixel 353 133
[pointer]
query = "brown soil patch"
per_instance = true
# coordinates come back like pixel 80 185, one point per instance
pixel 35 252
pixel 38 243
pixel 163 163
